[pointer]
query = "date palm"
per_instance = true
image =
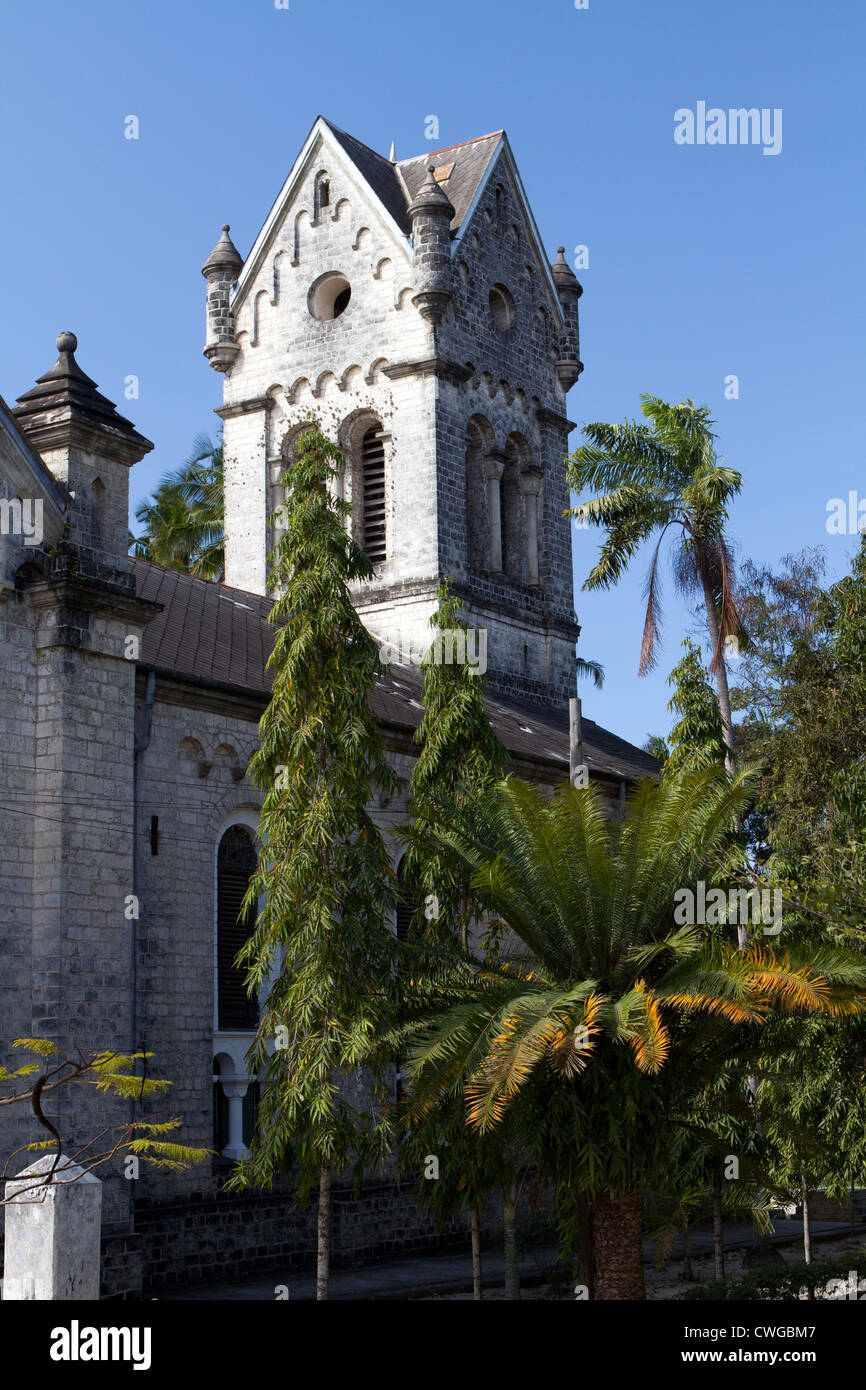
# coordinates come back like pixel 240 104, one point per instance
pixel 596 995
pixel 650 479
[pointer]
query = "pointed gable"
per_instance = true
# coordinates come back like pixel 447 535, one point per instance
pixel 460 169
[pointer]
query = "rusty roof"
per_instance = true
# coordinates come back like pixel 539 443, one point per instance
pixel 212 633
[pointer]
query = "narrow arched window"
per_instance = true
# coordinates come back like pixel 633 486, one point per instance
pixel 236 864
pixel 373 495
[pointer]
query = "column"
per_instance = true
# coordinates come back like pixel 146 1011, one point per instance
pixel 495 465
pixel 234 1091
pixel 530 484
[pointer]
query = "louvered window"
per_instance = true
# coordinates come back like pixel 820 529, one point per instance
pixel 373 482
pixel 236 863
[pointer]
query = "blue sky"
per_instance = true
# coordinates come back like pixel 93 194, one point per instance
pixel 704 261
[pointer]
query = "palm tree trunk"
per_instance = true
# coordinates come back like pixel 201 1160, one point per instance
pixel 585 1253
pixel 721 671
pixel 475 1228
pixel 618 1246
pixel 718 1228
pixel 509 1224
pixel 323 1235
pixel 807 1225
pixel 688 1272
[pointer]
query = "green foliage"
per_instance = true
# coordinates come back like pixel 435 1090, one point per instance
pixel 323 875
pixel 649 478
pixel 111 1072
pixel 460 754
pixel 697 739
pixel 184 520
pixel 657 747
pixel 778 1282
pixel 597 994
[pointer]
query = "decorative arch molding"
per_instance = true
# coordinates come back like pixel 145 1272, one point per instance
pixel 260 295
pixel 375 371
pixel 298 232
pixel 403 297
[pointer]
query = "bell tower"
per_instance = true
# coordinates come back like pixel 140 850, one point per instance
pixel 410 308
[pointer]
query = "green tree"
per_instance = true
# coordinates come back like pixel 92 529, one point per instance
pixel 697 739
pixel 459 755
pixel 652 478
pixel 597 993
pixel 321 943
pixel 184 520
pixel 657 747
pixel 113 1073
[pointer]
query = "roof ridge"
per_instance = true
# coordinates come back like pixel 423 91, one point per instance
pixel 349 136
pixel 476 140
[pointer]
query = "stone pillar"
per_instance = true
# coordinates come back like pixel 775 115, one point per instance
pixel 530 484
pixel 52 1233
pixel 234 1091
pixel 495 468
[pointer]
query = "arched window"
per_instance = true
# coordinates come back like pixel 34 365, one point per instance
pixel 236 864
pixel 373 495
pixel 323 193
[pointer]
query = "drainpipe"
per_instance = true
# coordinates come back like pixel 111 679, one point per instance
pixel 138 748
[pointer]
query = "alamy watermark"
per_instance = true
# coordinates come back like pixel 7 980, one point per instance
pixel 739 125
pixel 452 647
pixel 22 518
pixel 741 907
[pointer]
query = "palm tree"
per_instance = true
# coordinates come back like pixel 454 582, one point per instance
pixel 597 996
pixel 650 478
pixel 184 519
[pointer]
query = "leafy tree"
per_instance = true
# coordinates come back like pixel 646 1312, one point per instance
pixel 460 754
pixel 657 747
pixel 697 739
pixel 596 992
pixel 656 477
pixel 184 520
pixel 111 1072
pixel 321 942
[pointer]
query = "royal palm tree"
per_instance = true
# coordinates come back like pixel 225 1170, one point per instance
pixel 597 993
pixel 183 520
pixel 652 478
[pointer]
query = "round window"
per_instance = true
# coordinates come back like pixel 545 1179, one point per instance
pixel 502 307
pixel 329 296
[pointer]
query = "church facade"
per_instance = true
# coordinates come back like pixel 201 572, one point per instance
pixel 410 308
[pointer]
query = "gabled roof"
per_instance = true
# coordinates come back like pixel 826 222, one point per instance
pixel 210 633
pixel 462 170
pixel 27 473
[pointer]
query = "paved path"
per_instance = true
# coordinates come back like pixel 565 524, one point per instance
pixel 428 1273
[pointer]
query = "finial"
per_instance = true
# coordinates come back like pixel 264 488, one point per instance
pixel 66 342
pixel 393 153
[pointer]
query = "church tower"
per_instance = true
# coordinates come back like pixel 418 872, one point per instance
pixel 410 308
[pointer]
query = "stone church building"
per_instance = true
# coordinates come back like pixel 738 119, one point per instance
pixel 410 306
